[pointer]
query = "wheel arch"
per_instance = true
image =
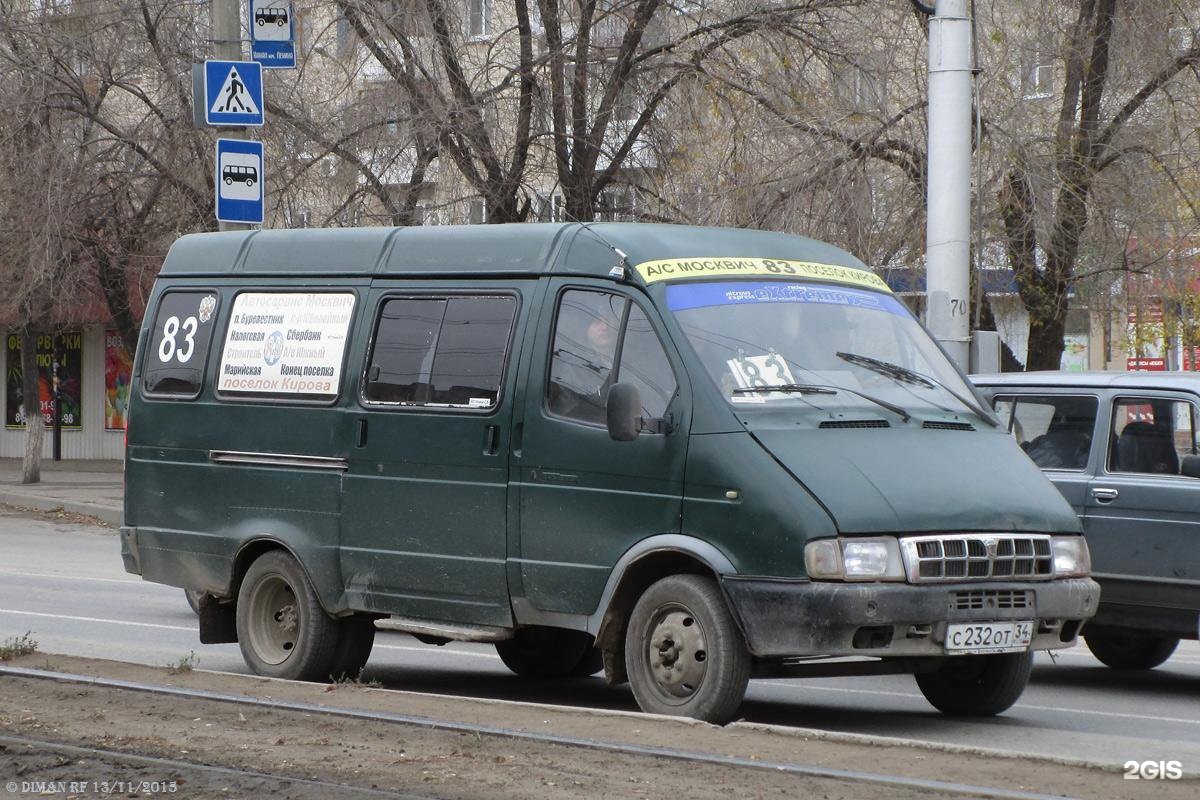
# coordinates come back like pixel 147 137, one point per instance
pixel 646 562
pixel 249 552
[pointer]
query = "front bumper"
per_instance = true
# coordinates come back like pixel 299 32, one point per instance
pixel 809 618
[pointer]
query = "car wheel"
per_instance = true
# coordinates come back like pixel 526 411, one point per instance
pixel 977 686
pixel 282 629
pixel 684 654
pixel 229 181
pixel 1129 650
pixel 547 653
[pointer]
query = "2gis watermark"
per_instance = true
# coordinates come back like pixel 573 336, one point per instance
pixel 1152 770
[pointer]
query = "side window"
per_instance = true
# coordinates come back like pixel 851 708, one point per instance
pixel 1151 435
pixel 591 352
pixel 1055 431
pixel 583 354
pixel 446 352
pixel 177 350
pixel 645 365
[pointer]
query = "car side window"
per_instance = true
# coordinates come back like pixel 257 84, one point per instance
pixel 1151 435
pixel 446 352
pixel 644 364
pixel 178 344
pixel 601 338
pixel 1055 431
pixel 584 354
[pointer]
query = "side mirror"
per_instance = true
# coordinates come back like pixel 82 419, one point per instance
pixel 1190 467
pixel 623 410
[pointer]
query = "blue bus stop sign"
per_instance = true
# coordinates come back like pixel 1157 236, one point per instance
pixel 239 181
pixel 233 93
pixel 272 28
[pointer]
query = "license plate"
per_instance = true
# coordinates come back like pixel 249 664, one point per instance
pixel 973 638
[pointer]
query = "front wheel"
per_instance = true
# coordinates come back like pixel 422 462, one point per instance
pixel 977 686
pixel 1130 651
pixel 684 654
pixel 282 629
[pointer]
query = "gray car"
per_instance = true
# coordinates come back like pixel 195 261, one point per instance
pixel 1123 449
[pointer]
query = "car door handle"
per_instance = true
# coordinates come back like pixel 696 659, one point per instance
pixel 1105 495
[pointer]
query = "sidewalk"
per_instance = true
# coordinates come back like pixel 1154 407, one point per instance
pixel 93 488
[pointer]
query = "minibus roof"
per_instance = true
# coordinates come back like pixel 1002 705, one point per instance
pixel 449 250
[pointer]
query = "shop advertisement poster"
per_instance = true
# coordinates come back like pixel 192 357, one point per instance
pixel 70 351
pixel 118 369
pixel 286 343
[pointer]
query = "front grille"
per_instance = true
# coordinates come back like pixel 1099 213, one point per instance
pixel 991 599
pixel 949 426
pixel 977 557
pixel 855 423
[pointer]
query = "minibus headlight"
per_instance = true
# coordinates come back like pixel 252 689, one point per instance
pixel 1071 557
pixel 854 560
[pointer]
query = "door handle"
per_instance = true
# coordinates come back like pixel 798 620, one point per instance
pixel 360 434
pixel 491 440
pixel 1104 495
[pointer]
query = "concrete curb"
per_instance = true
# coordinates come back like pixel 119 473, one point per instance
pixel 104 512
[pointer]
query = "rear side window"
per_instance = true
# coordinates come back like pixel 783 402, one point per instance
pixel 178 344
pixel 1054 430
pixel 1151 435
pixel 446 352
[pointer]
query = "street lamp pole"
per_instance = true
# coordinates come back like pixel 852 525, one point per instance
pixel 948 219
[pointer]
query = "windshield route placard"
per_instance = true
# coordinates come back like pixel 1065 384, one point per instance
pixel 673 269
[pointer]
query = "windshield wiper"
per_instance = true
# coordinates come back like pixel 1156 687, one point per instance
pixel 795 388
pixel 887 368
pixel 906 375
pixel 815 388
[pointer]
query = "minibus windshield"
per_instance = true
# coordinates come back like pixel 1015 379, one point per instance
pixel 778 335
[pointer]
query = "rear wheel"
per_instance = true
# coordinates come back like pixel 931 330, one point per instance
pixel 684 654
pixel 1130 650
pixel 282 629
pixel 977 686
pixel 549 653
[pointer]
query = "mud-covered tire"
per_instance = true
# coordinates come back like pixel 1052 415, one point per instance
pixel 193 599
pixel 684 653
pixel 1130 651
pixel 282 629
pixel 977 686
pixel 356 638
pixel 548 653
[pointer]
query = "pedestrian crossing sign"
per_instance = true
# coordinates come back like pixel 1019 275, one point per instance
pixel 233 92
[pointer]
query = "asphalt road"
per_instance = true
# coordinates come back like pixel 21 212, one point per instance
pixel 64 583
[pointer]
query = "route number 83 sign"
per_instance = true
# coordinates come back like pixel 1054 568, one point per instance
pixel 179 340
pixel 765 370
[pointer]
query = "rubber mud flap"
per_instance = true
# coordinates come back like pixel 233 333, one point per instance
pixel 218 621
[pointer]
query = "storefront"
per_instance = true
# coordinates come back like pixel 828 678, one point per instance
pixel 93 376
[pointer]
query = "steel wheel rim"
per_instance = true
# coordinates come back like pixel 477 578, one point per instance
pixel 676 653
pixel 274 618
